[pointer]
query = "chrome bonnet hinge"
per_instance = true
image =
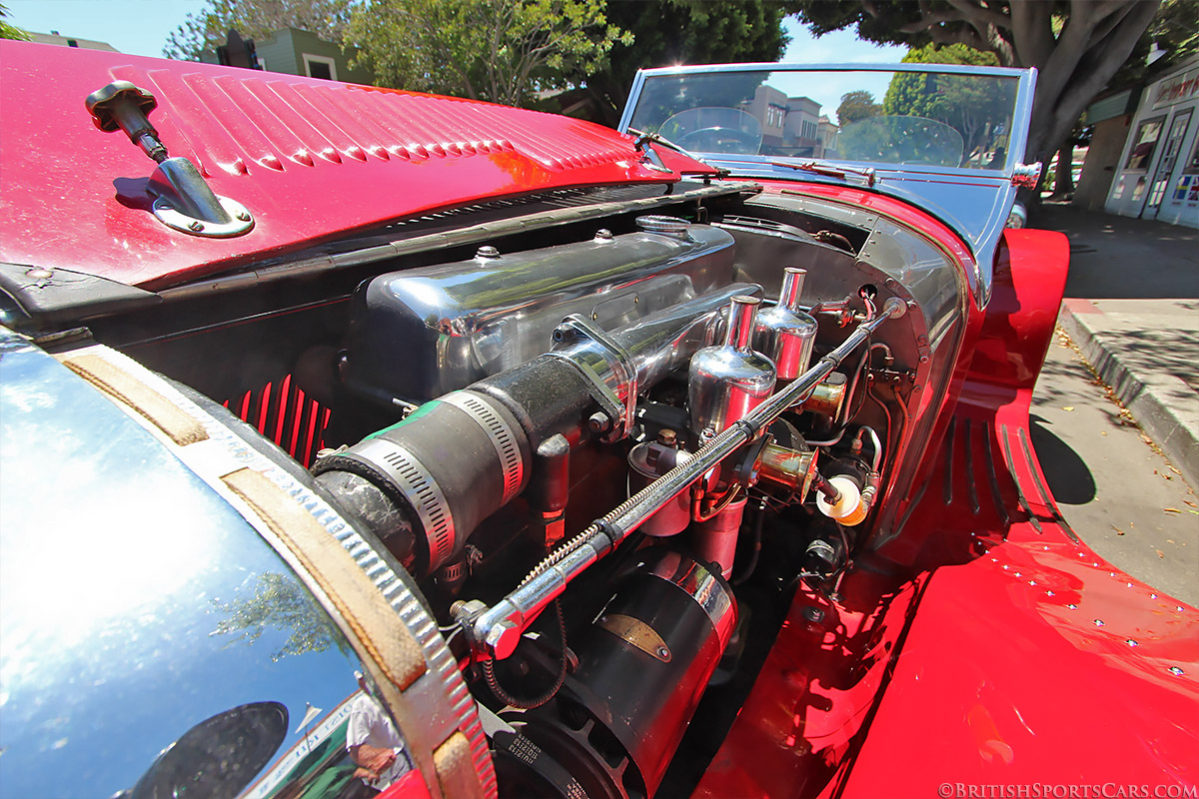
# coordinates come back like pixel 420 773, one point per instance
pixel 182 198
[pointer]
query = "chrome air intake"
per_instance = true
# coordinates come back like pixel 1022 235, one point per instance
pixel 458 459
pixel 730 380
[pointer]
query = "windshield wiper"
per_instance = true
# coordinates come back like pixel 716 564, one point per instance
pixel 830 170
pixel 651 158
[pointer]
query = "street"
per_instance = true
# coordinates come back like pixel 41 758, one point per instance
pixel 1113 485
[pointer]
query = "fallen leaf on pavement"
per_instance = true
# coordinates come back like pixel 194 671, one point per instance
pixel 1067 407
pixel 1160 554
pixel 1171 510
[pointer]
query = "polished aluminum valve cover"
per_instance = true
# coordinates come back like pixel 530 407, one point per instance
pixel 464 321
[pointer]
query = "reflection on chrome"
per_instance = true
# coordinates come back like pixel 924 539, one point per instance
pixel 354 750
pixel 111 676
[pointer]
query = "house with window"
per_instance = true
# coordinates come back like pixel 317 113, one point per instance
pixel 803 126
pixel 54 37
pixel 790 125
pixel 828 134
pixel 293 51
pixel 769 107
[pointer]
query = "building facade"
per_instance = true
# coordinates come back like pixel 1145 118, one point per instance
pixel 1158 173
pixel 1110 117
pixel 56 38
pixel 299 52
pixel 791 126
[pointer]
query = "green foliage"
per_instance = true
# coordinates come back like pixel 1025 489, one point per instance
pixel 254 19
pixel 10 31
pixel 279 602
pixel 884 23
pixel 950 54
pixel 974 106
pixel 1175 29
pixel 856 106
pixel 670 32
pixel 504 51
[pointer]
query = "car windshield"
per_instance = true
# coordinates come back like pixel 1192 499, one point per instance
pixel 934 119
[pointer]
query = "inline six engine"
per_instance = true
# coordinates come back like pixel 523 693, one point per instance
pixel 670 391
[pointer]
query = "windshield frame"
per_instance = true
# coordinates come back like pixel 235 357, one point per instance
pixel 1018 138
pixel 973 202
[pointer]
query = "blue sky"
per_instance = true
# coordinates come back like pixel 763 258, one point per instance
pixel 140 27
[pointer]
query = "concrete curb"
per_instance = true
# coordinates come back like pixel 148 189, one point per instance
pixel 1163 404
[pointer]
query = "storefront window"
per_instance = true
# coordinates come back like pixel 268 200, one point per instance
pixel 1143 145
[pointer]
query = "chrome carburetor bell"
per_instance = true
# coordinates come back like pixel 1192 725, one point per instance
pixel 783 332
pixel 729 380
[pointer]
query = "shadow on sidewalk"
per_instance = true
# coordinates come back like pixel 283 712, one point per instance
pixel 1116 257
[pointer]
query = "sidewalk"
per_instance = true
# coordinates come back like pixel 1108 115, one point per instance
pixel 1132 307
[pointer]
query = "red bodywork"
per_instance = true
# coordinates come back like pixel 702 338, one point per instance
pixel 357 156
pixel 978 665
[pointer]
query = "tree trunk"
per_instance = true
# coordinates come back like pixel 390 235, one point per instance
pixel 1061 99
pixel 1063 179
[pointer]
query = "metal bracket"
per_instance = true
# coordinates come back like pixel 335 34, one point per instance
pixel 1027 175
pixel 649 157
pixel 616 362
pixel 184 201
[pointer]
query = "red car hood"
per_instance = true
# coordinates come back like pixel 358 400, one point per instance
pixel 308 158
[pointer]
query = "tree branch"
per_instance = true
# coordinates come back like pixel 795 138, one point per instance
pixel 927 21
pixel 1032 31
pixel 1109 24
pixel 962 35
pixel 979 15
pixel 1054 116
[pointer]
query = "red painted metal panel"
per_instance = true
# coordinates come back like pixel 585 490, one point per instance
pixel 1030 276
pixel 813 696
pixel 309 158
pixel 409 786
pixel 1037 663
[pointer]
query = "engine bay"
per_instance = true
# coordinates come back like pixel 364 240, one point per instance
pixel 609 449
